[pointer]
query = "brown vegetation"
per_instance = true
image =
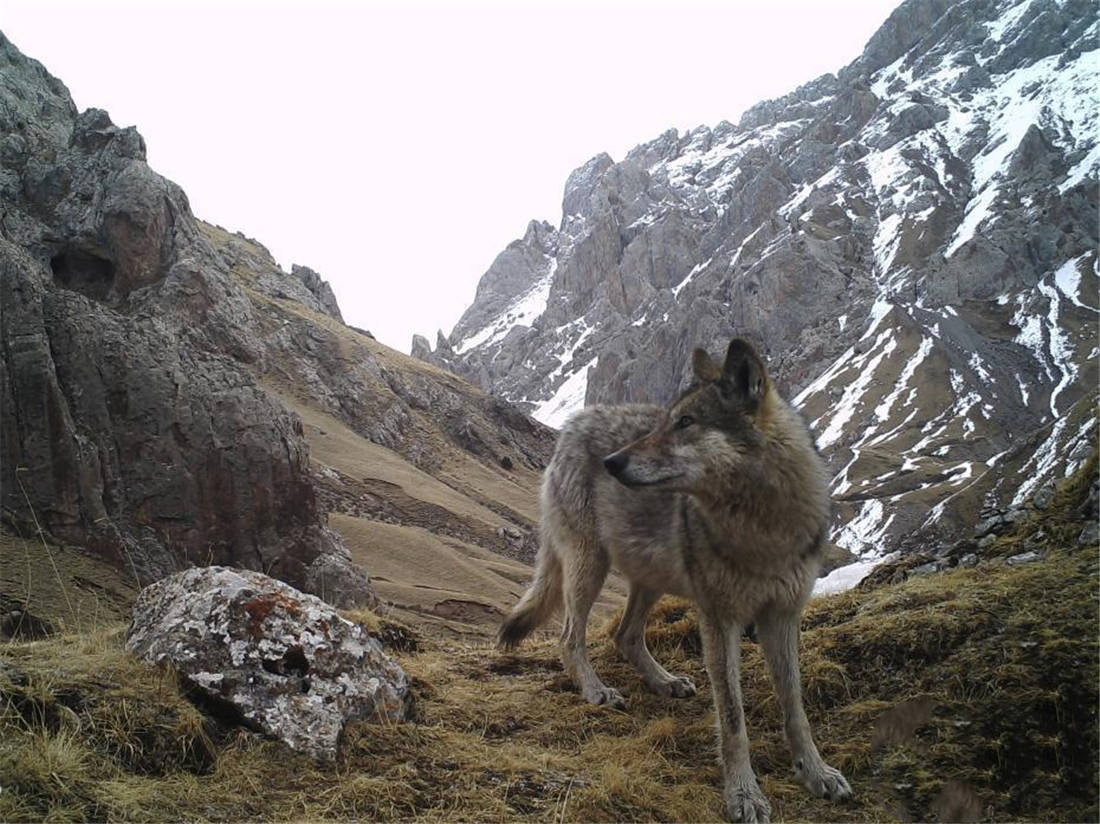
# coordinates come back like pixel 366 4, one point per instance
pixel 969 695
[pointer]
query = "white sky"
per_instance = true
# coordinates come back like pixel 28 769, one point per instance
pixel 398 147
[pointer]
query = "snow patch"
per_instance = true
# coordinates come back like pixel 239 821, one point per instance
pixel 848 576
pixel 568 398
pixel 1068 280
pixel 523 311
pixel 696 270
pixel 863 533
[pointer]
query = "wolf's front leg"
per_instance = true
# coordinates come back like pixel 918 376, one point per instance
pixel 778 634
pixel 584 576
pixel 722 654
pixel 630 639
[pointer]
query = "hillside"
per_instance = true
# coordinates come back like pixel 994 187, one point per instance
pixel 170 396
pixel 964 696
pixel 912 242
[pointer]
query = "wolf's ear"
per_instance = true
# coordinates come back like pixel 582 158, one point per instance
pixel 705 369
pixel 745 371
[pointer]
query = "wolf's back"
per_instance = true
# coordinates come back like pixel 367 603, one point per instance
pixel 565 502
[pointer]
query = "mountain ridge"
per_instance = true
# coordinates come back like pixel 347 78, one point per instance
pixel 909 241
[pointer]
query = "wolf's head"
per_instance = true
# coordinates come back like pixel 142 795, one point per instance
pixel 710 431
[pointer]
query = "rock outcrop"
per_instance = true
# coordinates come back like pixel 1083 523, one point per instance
pixel 131 426
pixel 282 661
pixel 911 242
pixel 148 363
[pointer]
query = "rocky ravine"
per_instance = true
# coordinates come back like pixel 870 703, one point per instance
pixel 912 242
pixel 154 371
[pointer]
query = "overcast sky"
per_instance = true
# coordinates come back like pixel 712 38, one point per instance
pixel 398 147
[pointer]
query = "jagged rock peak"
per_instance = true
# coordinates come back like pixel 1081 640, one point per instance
pixel 320 289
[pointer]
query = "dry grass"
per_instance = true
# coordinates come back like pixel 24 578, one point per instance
pixel 970 695
pixel 73 591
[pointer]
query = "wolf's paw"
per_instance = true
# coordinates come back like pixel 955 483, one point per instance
pixel 822 780
pixel 745 802
pixel 677 686
pixel 605 696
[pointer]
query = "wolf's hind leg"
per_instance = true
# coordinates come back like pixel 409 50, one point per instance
pixel 778 634
pixel 585 571
pixel 630 639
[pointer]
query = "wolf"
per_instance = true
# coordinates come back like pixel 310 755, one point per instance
pixel 721 498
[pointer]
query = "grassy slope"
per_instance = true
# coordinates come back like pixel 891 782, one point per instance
pixel 73 591
pixel 429 557
pixel 967 694
pixel 416 568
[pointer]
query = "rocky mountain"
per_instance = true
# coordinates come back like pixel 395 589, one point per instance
pixel 169 396
pixel 912 243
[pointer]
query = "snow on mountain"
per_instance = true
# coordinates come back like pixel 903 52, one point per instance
pixel 911 242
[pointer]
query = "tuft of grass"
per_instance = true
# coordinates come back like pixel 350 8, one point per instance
pixel 390 632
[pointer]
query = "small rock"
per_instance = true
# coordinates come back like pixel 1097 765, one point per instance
pixel 21 625
pixel 986 541
pixel 968 560
pixel 1015 516
pixel 1023 558
pixel 992 524
pixel 1045 496
pixel 286 662
pixel 926 569
pixel 1090 535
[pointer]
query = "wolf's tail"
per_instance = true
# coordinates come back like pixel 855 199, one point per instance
pixel 538 603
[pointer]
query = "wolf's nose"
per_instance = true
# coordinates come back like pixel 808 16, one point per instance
pixel 615 463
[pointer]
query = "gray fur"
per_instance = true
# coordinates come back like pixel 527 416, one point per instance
pixel 721 499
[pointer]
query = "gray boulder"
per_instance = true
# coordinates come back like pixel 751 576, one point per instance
pixel 284 661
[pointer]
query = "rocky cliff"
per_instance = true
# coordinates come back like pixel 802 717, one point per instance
pixel 154 371
pixel 911 241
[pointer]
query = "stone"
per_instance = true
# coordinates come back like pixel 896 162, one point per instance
pixel 21 625
pixel 968 560
pixel 986 541
pixel 1090 535
pixel 995 524
pixel 1044 497
pixel 1023 558
pixel 926 569
pixel 283 661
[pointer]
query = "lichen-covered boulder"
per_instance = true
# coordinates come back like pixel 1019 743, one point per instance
pixel 283 660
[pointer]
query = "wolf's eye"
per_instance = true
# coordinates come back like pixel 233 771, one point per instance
pixel 684 422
